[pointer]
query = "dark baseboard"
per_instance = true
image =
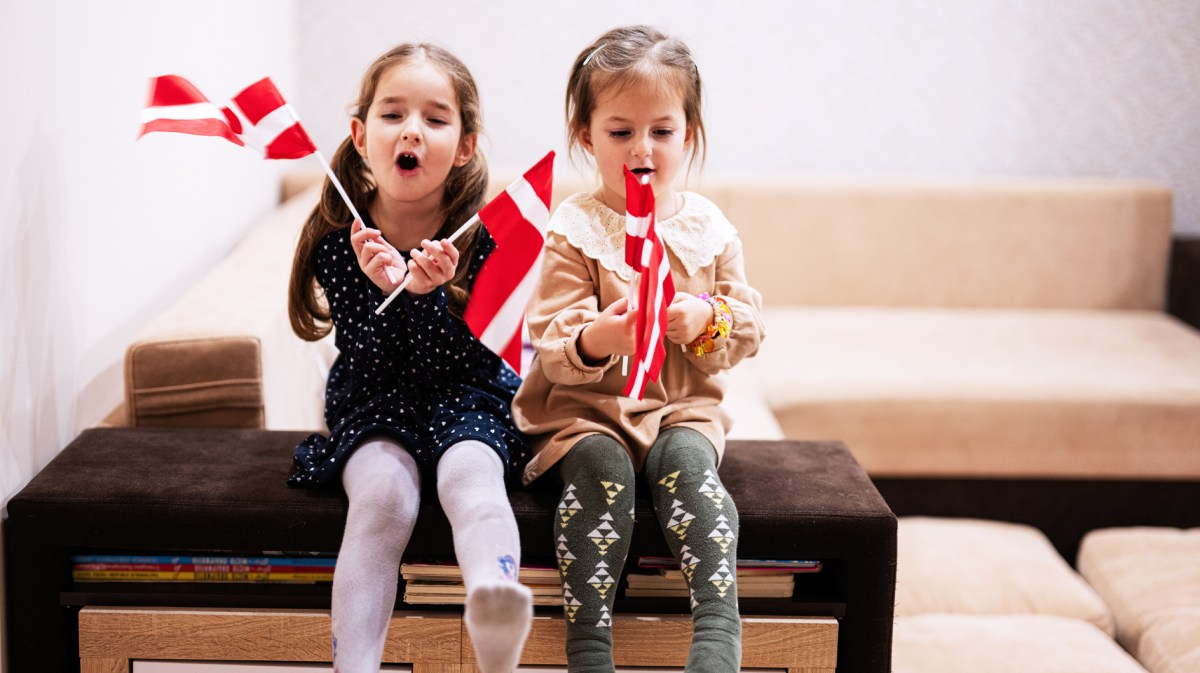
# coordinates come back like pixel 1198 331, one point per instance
pixel 1183 285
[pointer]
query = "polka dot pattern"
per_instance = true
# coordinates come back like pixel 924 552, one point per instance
pixel 415 374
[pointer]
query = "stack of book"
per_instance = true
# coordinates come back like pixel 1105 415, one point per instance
pixel 662 578
pixel 442 584
pixel 115 568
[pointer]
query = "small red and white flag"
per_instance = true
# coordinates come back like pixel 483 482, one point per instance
pixel 261 117
pixel 258 117
pixel 177 106
pixel 516 220
pixel 655 293
pixel 637 218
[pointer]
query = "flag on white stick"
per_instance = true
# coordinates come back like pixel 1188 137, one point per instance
pixel 177 106
pixel 516 220
pixel 261 117
pixel 655 293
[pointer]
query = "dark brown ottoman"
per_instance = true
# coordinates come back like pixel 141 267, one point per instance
pixel 215 490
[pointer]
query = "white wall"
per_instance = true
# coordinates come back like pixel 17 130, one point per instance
pixel 98 232
pixel 814 87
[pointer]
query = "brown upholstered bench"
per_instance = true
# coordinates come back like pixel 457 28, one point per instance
pixel 222 490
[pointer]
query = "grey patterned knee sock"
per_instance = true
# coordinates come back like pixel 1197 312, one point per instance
pixel 700 523
pixel 592 528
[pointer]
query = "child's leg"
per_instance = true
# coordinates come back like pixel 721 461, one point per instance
pixel 384 486
pixel 592 527
pixel 700 523
pixel 498 609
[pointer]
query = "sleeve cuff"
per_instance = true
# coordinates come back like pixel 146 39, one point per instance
pixel 572 355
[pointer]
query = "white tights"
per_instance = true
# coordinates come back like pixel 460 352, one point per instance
pixel 383 484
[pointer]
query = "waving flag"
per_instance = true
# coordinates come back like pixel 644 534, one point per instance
pixel 264 121
pixel 516 219
pixel 655 292
pixel 177 106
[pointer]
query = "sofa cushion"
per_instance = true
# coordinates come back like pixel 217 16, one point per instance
pixel 1004 644
pixel 929 392
pixel 224 353
pixel 971 566
pixel 1150 577
pixel 1172 645
pixel 1040 243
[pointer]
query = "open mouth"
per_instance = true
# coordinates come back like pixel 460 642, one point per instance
pixel 407 162
pixel 640 172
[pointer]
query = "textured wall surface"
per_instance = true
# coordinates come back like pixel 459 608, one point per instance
pixel 853 88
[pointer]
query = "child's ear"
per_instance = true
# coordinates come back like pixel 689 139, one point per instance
pixel 585 139
pixel 466 149
pixel 358 134
pixel 688 137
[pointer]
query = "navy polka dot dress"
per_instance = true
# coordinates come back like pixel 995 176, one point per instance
pixel 415 374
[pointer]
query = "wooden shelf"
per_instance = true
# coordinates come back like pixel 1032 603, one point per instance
pixel 434 642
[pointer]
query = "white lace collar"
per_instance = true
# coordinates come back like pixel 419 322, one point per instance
pixel 696 234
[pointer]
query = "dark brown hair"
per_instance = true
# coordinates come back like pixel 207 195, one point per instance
pixel 634 55
pixel 463 196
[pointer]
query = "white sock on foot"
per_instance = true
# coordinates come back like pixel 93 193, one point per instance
pixel 498 615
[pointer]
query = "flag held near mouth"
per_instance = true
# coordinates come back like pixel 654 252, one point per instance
pixel 655 291
pixel 516 219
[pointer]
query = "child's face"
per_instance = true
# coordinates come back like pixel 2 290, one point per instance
pixel 643 127
pixel 413 133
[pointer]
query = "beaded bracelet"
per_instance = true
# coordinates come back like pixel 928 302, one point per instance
pixel 720 327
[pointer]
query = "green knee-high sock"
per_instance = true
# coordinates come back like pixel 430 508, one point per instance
pixel 592 528
pixel 700 523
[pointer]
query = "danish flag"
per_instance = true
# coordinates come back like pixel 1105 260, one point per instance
pixel 655 291
pixel 516 219
pixel 258 117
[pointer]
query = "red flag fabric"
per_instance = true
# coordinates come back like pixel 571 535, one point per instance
pixel 637 218
pixel 655 293
pixel 516 219
pixel 175 105
pixel 261 117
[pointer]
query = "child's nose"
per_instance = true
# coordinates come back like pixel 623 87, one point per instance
pixel 641 146
pixel 410 132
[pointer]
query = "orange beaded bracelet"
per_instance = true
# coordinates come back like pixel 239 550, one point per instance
pixel 720 327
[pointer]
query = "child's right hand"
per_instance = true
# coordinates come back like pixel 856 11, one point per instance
pixel 376 257
pixel 611 333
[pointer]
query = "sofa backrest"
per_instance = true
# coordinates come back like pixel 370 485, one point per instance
pixel 1047 243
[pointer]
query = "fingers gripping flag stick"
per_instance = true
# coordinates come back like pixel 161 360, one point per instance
pixel 258 117
pixel 655 293
pixel 516 220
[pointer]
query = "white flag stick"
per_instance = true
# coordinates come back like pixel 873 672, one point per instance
pixel 349 204
pixel 453 237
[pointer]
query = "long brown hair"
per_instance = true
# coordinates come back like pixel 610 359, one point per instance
pixel 634 55
pixel 462 197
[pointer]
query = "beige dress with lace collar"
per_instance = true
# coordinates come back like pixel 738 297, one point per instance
pixel 564 399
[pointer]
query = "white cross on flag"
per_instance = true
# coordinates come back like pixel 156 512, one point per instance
pixel 258 117
pixel 655 291
pixel 516 220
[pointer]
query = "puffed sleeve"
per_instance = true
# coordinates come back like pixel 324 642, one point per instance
pixel 746 305
pixel 563 304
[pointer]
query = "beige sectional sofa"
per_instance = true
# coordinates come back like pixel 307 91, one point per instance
pixel 939 329
pixel 979 334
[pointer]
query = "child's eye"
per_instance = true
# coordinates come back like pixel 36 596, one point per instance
pixel 618 134
pixel 391 116
pixel 663 133
pixel 437 121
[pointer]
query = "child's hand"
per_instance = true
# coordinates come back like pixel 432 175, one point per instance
pixel 611 333
pixel 376 256
pixel 431 265
pixel 688 317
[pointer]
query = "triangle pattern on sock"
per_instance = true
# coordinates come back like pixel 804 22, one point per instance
pixel 611 489
pixel 722 534
pixel 571 604
pixel 687 562
pixel 605 617
pixel 602 581
pixel 564 555
pixel 669 481
pixel 712 489
pixel 568 506
pixel 680 520
pixel 723 578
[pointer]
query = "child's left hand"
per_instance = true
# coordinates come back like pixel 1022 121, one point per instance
pixel 431 265
pixel 687 317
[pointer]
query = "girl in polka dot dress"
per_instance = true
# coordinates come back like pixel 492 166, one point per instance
pixel 412 392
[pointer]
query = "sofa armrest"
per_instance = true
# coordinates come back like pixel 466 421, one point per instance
pixel 199 382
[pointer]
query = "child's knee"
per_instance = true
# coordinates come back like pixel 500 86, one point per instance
pixel 597 457
pixel 680 449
